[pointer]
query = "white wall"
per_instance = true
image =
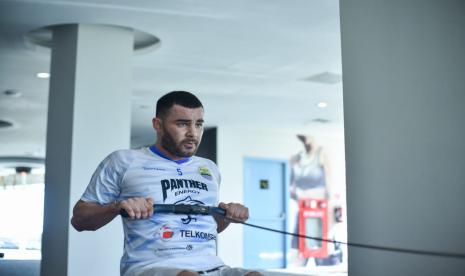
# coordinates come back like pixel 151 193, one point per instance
pixel 235 143
pixel 404 101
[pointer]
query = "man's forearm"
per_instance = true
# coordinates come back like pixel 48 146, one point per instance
pixel 92 216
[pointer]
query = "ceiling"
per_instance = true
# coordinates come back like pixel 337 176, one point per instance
pixel 264 63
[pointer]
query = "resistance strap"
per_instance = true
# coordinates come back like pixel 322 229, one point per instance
pixel 211 210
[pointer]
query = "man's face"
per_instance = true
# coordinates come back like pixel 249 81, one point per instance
pixel 180 131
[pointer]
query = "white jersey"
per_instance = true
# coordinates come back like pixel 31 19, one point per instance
pixel 168 240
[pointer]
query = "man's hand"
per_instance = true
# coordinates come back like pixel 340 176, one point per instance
pixel 235 211
pixel 137 207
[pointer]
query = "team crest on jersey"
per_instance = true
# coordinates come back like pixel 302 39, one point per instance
pixel 166 232
pixel 205 172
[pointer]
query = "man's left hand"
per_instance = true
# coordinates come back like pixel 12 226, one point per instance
pixel 235 211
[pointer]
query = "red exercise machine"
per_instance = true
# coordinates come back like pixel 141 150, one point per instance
pixel 313 222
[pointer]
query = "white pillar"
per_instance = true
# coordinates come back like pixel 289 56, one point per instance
pixel 88 117
pixel 404 106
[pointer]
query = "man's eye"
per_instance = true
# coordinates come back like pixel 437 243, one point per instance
pixel 182 124
pixel 199 125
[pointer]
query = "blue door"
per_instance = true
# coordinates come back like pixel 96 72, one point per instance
pixel 264 194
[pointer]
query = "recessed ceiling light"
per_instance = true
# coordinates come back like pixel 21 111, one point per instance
pixel 43 75
pixel 322 104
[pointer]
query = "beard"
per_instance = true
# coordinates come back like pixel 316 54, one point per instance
pixel 176 149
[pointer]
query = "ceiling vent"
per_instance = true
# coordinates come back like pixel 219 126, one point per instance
pixel 321 120
pixel 5 124
pixel 12 93
pixel 23 169
pixel 325 78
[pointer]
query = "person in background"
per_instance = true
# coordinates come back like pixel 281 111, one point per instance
pixel 310 179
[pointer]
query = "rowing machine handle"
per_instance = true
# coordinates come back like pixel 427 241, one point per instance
pixel 161 208
pixel 218 211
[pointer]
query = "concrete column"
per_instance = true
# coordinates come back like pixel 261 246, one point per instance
pixel 88 118
pixel 404 106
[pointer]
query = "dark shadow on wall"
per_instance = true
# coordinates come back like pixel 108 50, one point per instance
pixel 207 148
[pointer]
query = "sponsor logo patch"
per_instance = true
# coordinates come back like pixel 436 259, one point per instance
pixel 169 249
pixel 152 169
pixel 166 233
pixel 181 186
pixel 205 173
pixel 199 235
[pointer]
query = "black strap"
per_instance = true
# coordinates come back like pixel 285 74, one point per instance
pixel 210 270
pixel 183 209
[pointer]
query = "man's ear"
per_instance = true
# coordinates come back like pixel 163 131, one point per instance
pixel 156 123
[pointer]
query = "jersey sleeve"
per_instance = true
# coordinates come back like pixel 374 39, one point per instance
pixel 105 184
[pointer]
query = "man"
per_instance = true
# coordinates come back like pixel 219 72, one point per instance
pixel 165 173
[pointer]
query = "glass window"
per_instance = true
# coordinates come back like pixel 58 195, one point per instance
pixel 21 214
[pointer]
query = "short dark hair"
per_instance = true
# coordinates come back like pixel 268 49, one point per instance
pixel 182 98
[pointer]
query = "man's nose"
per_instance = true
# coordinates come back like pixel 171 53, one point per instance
pixel 191 131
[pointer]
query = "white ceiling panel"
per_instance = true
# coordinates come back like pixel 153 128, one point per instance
pixel 245 59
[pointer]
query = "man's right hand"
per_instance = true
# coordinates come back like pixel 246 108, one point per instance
pixel 137 207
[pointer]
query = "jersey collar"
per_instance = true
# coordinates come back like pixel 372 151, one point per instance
pixel 161 154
